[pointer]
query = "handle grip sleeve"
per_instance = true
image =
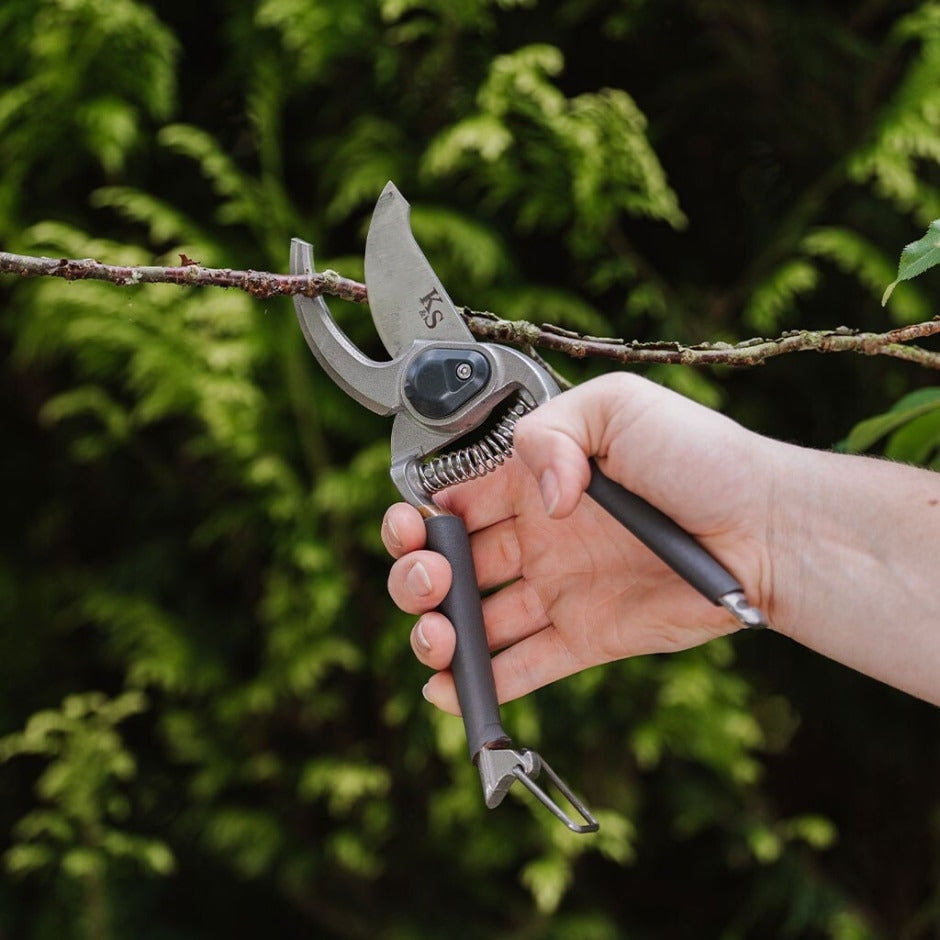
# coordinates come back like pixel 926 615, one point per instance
pixel 471 666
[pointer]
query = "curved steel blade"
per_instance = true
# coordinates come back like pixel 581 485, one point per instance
pixel 373 384
pixel 407 300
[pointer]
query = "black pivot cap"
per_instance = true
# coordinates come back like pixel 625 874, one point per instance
pixel 441 381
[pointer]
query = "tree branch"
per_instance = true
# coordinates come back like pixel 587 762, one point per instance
pixel 259 284
pixel 750 352
pixel 488 326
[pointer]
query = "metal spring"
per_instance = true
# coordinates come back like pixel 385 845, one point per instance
pixel 476 459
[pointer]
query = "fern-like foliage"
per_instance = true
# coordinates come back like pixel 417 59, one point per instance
pixel 76 835
pixel 192 507
pixel 121 78
pixel 572 164
pixel 908 135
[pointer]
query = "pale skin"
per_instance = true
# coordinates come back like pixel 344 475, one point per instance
pixel 841 552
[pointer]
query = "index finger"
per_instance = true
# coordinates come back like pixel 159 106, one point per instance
pixel 488 499
pixel 480 503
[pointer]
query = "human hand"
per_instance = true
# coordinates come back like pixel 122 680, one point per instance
pixel 571 587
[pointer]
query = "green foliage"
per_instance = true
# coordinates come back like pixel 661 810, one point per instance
pixel 564 164
pixel 75 831
pixel 908 133
pixel 911 426
pixel 858 257
pixel 917 257
pixel 120 75
pixel 192 508
pixel 776 296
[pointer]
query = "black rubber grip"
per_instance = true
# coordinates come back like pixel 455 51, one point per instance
pixel 471 666
pixel 663 537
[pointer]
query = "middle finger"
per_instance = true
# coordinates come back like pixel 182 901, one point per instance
pixel 497 555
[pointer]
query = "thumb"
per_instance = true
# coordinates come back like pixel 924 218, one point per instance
pixel 556 439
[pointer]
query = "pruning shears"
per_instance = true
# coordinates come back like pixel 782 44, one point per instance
pixel 455 403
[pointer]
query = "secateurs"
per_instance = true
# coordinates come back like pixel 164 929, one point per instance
pixel 442 386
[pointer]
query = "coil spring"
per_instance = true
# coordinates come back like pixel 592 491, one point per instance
pixel 476 459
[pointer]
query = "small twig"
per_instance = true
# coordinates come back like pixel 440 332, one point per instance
pixel 751 352
pixel 257 283
pixel 488 326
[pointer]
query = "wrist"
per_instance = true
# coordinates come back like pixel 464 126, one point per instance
pixel 852 543
pixel 814 539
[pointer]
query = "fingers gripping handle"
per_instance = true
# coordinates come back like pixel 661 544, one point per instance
pixel 471 666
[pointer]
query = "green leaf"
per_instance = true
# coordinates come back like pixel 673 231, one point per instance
pixel 917 257
pixel 917 440
pixel 814 830
pixel 82 862
pixel 547 878
pixel 765 844
pixel 342 782
pixel 23 859
pixel 774 299
pixel 858 256
pixel 866 433
pixel 110 127
pixel 157 857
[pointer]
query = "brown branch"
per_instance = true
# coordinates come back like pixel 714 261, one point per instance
pixel 488 326
pixel 751 352
pixel 257 283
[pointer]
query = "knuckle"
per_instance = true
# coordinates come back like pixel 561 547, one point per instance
pixel 509 551
pixel 533 610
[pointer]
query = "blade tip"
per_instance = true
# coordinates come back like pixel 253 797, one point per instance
pixel 301 256
pixel 391 191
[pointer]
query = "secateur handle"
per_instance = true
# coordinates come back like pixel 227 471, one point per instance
pixel 490 747
pixel 471 665
pixel 681 551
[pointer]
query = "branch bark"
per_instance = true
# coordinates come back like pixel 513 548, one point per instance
pixel 489 326
pixel 257 283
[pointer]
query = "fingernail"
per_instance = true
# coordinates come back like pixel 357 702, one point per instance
pixel 418 580
pixel 420 640
pixel 424 691
pixel 548 487
pixel 394 539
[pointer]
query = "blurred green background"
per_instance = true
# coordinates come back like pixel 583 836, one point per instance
pixel 211 719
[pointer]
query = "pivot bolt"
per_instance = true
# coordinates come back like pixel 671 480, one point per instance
pixel 464 371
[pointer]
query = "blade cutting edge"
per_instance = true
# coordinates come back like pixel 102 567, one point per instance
pixel 407 299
